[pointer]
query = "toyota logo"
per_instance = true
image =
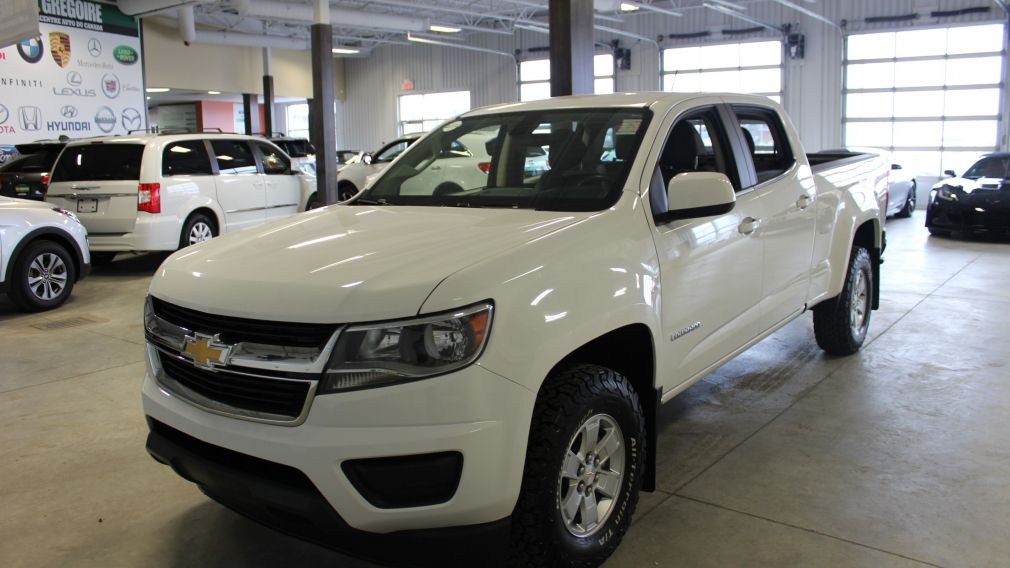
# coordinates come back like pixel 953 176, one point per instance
pixel 68 111
pixel 131 119
pixel 4 114
pixel 74 79
pixel 94 47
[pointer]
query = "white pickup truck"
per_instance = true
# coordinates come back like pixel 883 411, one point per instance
pixel 488 363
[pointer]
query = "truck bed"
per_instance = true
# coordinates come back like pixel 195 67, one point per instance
pixel 827 159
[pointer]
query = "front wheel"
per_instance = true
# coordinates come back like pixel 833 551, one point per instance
pixel 198 228
pixel 43 276
pixel 583 470
pixel 346 191
pixel 840 324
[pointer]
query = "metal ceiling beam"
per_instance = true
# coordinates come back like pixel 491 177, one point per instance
pixel 734 14
pixel 415 38
pixel 808 12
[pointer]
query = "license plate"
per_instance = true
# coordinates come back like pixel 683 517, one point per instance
pixel 21 189
pixel 87 205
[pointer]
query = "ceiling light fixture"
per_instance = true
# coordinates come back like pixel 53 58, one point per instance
pixel 443 29
pixel 157 89
pixel 213 92
pixel 626 7
pixel 345 50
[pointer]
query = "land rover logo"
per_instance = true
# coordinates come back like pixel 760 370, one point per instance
pixel 94 47
pixel 30 117
pixel 131 119
pixel 59 47
pixel 68 111
pixel 125 54
pixel 105 119
pixel 4 114
pixel 74 79
pixel 31 49
pixel 110 85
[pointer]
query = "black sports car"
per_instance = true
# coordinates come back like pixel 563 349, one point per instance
pixel 978 201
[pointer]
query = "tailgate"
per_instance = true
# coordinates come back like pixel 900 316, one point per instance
pixel 99 183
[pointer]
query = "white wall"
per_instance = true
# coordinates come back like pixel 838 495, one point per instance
pixel 813 86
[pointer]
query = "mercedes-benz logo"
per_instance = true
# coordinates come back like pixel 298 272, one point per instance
pixel 74 79
pixel 4 114
pixel 94 47
pixel 131 119
pixel 68 111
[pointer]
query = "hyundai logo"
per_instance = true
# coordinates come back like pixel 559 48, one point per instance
pixel 94 47
pixel 131 119
pixel 68 111
pixel 30 117
pixel 4 114
pixel 74 79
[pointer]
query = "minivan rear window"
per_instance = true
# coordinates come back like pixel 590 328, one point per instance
pixel 99 162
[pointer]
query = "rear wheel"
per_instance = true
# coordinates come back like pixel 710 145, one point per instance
pixel 583 470
pixel 43 276
pixel 313 202
pixel 198 228
pixel 346 191
pixel 840 324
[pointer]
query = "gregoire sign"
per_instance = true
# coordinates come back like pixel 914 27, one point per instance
pixel 81 77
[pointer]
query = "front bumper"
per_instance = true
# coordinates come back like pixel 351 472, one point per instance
pixel 473 412
pixel 978 212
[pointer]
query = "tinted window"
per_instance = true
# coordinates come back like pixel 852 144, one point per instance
pixel 234 157
pixel 766 142
pixel 691 147
pixel 296 148
pixel 274 161
pixel 185 158
pixel 99 162
pixel 989 168
pixel 24 165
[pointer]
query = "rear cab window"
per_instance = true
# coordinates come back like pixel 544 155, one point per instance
pixel 103 161
pixel 765 140
pixel 185 158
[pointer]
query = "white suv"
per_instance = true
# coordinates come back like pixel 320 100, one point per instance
pixel 164 192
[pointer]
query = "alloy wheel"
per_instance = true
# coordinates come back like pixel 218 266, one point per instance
pixel 591 475
pixel 200 232
pixel 47 276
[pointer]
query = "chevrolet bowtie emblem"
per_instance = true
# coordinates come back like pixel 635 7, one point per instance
pixel 206 351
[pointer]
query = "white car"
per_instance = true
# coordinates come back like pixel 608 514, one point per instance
pixel 415 365
pixel 165 192
pixel 43 253
pixel 352 178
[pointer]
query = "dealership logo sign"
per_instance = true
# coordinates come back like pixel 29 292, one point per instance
pixel 74 79
pixel 4 114
pixel 59 46
pixel 68 111
pixel 131 119
pixel 110 85
pixel 94 47
pixel 105 119
pixel 30 118
pixel 125 54
pixel 31 49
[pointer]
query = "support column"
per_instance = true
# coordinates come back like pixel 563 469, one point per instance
pixel 571 39
pixel 268 93
pixel 250 104
pixel 323 122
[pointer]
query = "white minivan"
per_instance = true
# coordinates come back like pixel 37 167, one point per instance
pixel 164 192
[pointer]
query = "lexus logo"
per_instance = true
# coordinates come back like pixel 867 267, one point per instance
pixel 110 85
pixel 131 119
pixel 4 114
pixel 94 47
pixel 74 79
pixel 30 117
pixel 68 111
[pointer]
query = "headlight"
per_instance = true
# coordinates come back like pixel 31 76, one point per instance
pixel 70 214
pixel 374 355
pixel 948 193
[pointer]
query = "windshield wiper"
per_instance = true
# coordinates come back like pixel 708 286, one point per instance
pixel 365 201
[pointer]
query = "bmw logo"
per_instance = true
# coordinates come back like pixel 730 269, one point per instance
pixel 31 49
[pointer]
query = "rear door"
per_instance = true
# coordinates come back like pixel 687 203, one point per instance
pixel 240 188
pixel 185 171
pixel 283 191
pixel 98 181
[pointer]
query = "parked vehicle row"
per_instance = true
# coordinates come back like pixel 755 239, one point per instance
pixel 977 201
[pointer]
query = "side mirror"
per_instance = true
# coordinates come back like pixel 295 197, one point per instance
pixel 697 194
pixel 895 166
pixel 366 159
pixel 949 173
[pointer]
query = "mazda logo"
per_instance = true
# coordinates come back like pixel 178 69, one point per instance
pixel 74 79
pixel 131 119
pixel 4 114
pixel 94 47
pixel 68 111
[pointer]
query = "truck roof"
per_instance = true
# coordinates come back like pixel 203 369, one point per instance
pixel 645 99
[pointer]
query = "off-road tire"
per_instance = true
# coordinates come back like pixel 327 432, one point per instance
pixel 835 320
pixel 58 281
pixel 567 401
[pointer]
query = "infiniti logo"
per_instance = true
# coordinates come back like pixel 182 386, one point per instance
pixel 68 111
pixel 74 79
pixel 94 47
pixel 30 117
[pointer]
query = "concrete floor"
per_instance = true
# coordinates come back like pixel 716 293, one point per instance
pixel 897 456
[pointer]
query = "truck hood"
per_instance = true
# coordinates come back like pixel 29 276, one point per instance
pixel 970 185
pixel 343 264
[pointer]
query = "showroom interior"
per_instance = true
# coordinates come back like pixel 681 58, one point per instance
pixel 782 453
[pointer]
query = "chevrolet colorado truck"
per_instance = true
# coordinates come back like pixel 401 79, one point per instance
pixel 487 363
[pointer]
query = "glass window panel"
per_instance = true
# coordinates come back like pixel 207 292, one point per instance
pixel 535 70
pixel 871 46
pixel 725 55
pixel 534 91
pixel 870 76
pixel 869 105
pixel 761 80
pixel 603 86
pixel 448 105
pixel 958 161
pixel 975 39
pixel 918 103
pixel 918 163
pixel 720 81
pixel 411 127
pixel 411 107
pixel 761 53
pixel 872 134
pixel 973 102
pixel 969 133
pixel 919 73
pixel 682 58
pixel 682 82
pixel 918 133
pixel 974 71
pixel 603 65
pixel 431 124
pixel 917 43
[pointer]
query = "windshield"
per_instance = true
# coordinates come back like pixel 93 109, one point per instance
pixel 557 160
pixel 989 168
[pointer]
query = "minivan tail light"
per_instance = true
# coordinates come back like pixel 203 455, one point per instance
pixel 45 180
pixel 484 167
pixel 149 197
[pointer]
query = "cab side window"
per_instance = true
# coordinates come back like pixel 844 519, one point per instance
pixel 766 142
pixel 274 161
pixel 234 157
pixel 696 144
pixel 187 158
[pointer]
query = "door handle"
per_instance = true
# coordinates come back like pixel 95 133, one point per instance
pixel 748 225
pixel 803 201
pixel 435 168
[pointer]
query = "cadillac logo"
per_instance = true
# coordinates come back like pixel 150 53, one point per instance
pixel 59 46
pixel 31 50
pixel 131 119
pixel 206 351
pixel 110 85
